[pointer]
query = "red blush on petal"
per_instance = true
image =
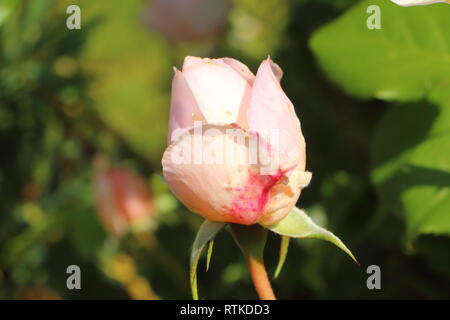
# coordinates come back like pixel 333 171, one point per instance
pixel 248 206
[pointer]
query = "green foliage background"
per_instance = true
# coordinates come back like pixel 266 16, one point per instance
pixel 375 112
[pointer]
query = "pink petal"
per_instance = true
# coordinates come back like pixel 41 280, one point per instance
pixel 108 211
pixel 183 108
pixel 228 191
pixel 220 92
pixel 271 112
pixel 131 195
pixel 278 73
pixel 240 68
pixel 284 196
pixel 189 61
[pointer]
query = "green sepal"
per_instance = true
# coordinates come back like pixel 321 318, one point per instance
pixel 298 224
pixel 284 246
pixel 251 239
pixel 205 234
pixel 208 256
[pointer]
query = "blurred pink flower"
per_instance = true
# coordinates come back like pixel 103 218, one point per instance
pixel 219 96
pixel 408 3
pixel 122 199
pixel 187 20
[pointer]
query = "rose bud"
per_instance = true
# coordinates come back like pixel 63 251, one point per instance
pixel 38 292
pixel 219 108
pixel 123 199
pixel 407 3
pixel 187 20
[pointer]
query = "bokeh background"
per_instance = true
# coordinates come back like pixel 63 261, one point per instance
pixel 375 112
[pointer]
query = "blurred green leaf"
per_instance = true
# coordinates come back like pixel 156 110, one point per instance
pixel 6 8
pixel 133 72
pixel 404 60
pixel 412 166
pixel 298 225
pixel 257 30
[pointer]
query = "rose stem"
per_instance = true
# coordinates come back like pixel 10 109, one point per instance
pixel 260 279
pixel 252 240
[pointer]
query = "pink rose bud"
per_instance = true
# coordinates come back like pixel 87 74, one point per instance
pixel 236 150
pixel 408 3
pixel 123 199
pixel 187 20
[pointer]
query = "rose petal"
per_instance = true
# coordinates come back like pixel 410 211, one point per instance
pixel 408 3
pixel 108 211
pixel 183 107
pixel 220 92
pixel 271 112
pixel 189 61
pixel 240 68
pixel 230 190
pixel 284 196
pixel 278 73
pixel 131 195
